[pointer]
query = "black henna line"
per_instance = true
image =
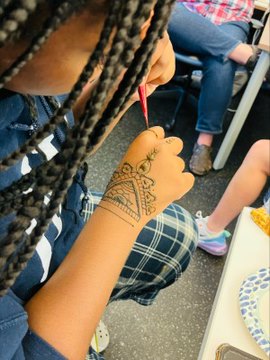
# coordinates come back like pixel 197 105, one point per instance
pixel 115 214
pixel 131 190
pixel 144 166
pixel 170 141
pixel 153 132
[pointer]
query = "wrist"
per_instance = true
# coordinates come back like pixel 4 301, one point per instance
pixel 121 215
pixel 118 220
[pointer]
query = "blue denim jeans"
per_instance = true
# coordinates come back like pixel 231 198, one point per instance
pixel 194 34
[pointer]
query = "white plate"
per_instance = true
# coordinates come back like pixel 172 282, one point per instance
pixel 254 306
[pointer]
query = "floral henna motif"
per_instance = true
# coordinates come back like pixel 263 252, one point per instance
pixel 131 190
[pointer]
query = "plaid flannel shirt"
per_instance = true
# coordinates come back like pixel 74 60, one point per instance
pixel 220 11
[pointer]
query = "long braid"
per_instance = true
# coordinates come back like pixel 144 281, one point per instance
pixel 62 12
pixel 10 25
pixel 3 6
pixel 68 160
pixel 73 95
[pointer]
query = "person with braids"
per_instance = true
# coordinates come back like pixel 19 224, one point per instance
pixel 65 251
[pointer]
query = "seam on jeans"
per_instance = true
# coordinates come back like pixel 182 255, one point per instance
pixel 12 321
pixel 225 57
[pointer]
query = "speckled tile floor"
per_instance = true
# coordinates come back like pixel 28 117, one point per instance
pixel 174 326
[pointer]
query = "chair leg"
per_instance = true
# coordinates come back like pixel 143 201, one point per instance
pixel 182 92
pixel 170 124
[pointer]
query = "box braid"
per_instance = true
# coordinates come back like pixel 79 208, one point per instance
pixel 61 14
pixel 128 16
pixel 3 5
pixel 14 17
pixel 75 92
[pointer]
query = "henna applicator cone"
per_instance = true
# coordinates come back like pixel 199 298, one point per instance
pixel 143 102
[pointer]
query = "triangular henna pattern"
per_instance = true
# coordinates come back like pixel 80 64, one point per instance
pixel 131 190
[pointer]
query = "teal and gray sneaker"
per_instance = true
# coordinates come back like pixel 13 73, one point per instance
pixel 213 243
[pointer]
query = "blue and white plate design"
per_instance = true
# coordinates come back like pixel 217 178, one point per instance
pixel 253 290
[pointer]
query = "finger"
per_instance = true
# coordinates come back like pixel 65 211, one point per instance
pixel 174 144
pixel 164 67
pixel 180 164
pixel 161 45
pixel 187 182
pixel 157 131
pixel 160 75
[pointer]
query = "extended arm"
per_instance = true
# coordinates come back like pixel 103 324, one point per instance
pixel 66 310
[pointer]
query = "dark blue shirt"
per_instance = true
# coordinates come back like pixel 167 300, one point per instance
pixel 16 127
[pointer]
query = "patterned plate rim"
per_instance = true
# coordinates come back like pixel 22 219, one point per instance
pixel 251 290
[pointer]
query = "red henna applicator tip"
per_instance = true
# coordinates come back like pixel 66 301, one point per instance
pixel 143 101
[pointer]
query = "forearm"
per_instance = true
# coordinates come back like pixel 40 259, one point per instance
pixel 66 310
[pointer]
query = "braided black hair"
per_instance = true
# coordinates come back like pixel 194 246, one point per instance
pixel 121 33
pixel 14 16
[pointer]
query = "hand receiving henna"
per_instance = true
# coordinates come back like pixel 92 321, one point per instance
pixel 148 179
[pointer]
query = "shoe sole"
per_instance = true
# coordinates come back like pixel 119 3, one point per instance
pixel 215 253
pixel 197 172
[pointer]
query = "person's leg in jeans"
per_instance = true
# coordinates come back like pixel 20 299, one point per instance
pixel 197 35
pixel 215 96
pixel 213 44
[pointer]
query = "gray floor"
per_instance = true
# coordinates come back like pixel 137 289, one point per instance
pixel 174 326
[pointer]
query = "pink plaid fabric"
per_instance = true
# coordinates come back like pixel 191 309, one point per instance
pixel 220 11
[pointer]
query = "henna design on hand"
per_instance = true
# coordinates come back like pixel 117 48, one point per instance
pixel 131 190
pixel 170 141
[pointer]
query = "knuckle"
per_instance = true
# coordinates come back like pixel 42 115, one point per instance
pixel 182 163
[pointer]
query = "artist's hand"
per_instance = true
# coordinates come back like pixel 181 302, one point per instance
pixel 162 66
pixel 148 179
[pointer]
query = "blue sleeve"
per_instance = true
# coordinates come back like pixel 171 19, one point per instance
pixel 17 342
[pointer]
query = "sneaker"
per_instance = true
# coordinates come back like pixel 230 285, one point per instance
pixel 101 338
pixel 201 162
pixel 213 243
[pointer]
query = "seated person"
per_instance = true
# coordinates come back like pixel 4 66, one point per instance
pixel 215 31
